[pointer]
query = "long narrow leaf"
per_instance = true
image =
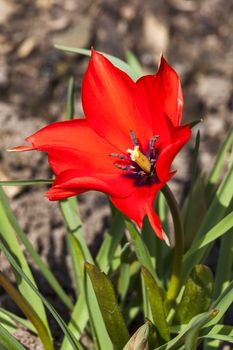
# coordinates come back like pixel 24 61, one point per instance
pixel 111 313
pixel 8 236
pixel 116 61
pixel 217 168
pixel 17 319
pixel 196 323
pixel 214 214
pixel 26 182
pixel 110 243
pixel 48 275
pixel 8 341
pixel 63 326
pixel 156 304
pixel 78 321
pixel 217 231
pixel 141 250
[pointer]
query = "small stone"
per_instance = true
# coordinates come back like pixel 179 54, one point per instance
pixel 214 91
pixel 77 36
pixel 6 10
pixel 4 78
pixel 44 4
pixel 156 34
pixel 27 47
pixel 128 12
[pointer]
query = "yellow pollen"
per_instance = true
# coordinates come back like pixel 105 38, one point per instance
pixel 138 157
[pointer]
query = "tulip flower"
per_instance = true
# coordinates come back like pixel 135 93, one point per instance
pixel 126 143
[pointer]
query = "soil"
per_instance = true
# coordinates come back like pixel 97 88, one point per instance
pixel 195 37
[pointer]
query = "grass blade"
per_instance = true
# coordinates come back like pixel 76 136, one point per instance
pixel 78 321
pixel 8 341
pixel 214 214
pixel 217 231
pixel 141 250
pixel 224 266
pixel 156 304
pixel 217 168
pixel 26 182
pixel 134 63
pixel 61 323
pixel 28 311
pixel 7 235
pixel 196 323
pixel 9 316
pixel 116 61
pixel 111 242
pixel 48 275
pixel 70 100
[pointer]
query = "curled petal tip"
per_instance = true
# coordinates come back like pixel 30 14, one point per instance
pixel 21 149
pixel 166 239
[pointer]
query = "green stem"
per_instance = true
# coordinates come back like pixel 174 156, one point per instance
pixel 175 280
pixel 28 311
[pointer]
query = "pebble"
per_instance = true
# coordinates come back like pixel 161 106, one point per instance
pixel 156 34
pixel 77 36
pixel 27 47
pixel 6 10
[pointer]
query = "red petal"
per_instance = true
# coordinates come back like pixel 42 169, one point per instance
pixel 113 105
pixel 72 144
pixel 138 205
pixel 180 135
pixel 164 94
pixel 75 181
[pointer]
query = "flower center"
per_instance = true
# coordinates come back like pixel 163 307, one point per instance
pixel 137 156
pixel 138 165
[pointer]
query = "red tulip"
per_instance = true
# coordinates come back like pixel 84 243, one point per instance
pixel 125 145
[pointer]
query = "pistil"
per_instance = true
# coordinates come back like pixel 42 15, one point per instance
pixel 138 157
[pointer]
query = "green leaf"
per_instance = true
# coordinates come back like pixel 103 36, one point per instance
pixel 61 323
pixel 191 338
pixel 141 250
pixel 116 61
pixel 48 275
pixel 197 294
pixel 8 237
pixel 8 341
pixel 27 182
pixel 194 210
pixel 111 313
pixel 139 340
pixel 80 254
pixel 222 303
pixel 156 304
pixel 70 100
pixel 224 266
pixel 195 324
pixel 134 63
pixel 70 213
pixel 217 168
pixel 220 333
pixel 217 231
pixel 78 321
pixel 111 242
pixel 12 318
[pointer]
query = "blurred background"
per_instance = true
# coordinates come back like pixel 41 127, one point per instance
pixel 195 37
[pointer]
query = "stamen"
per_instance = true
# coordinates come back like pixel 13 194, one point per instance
pixel 119 166
pixel 134 138
pixel 116 155
pixel 153 140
